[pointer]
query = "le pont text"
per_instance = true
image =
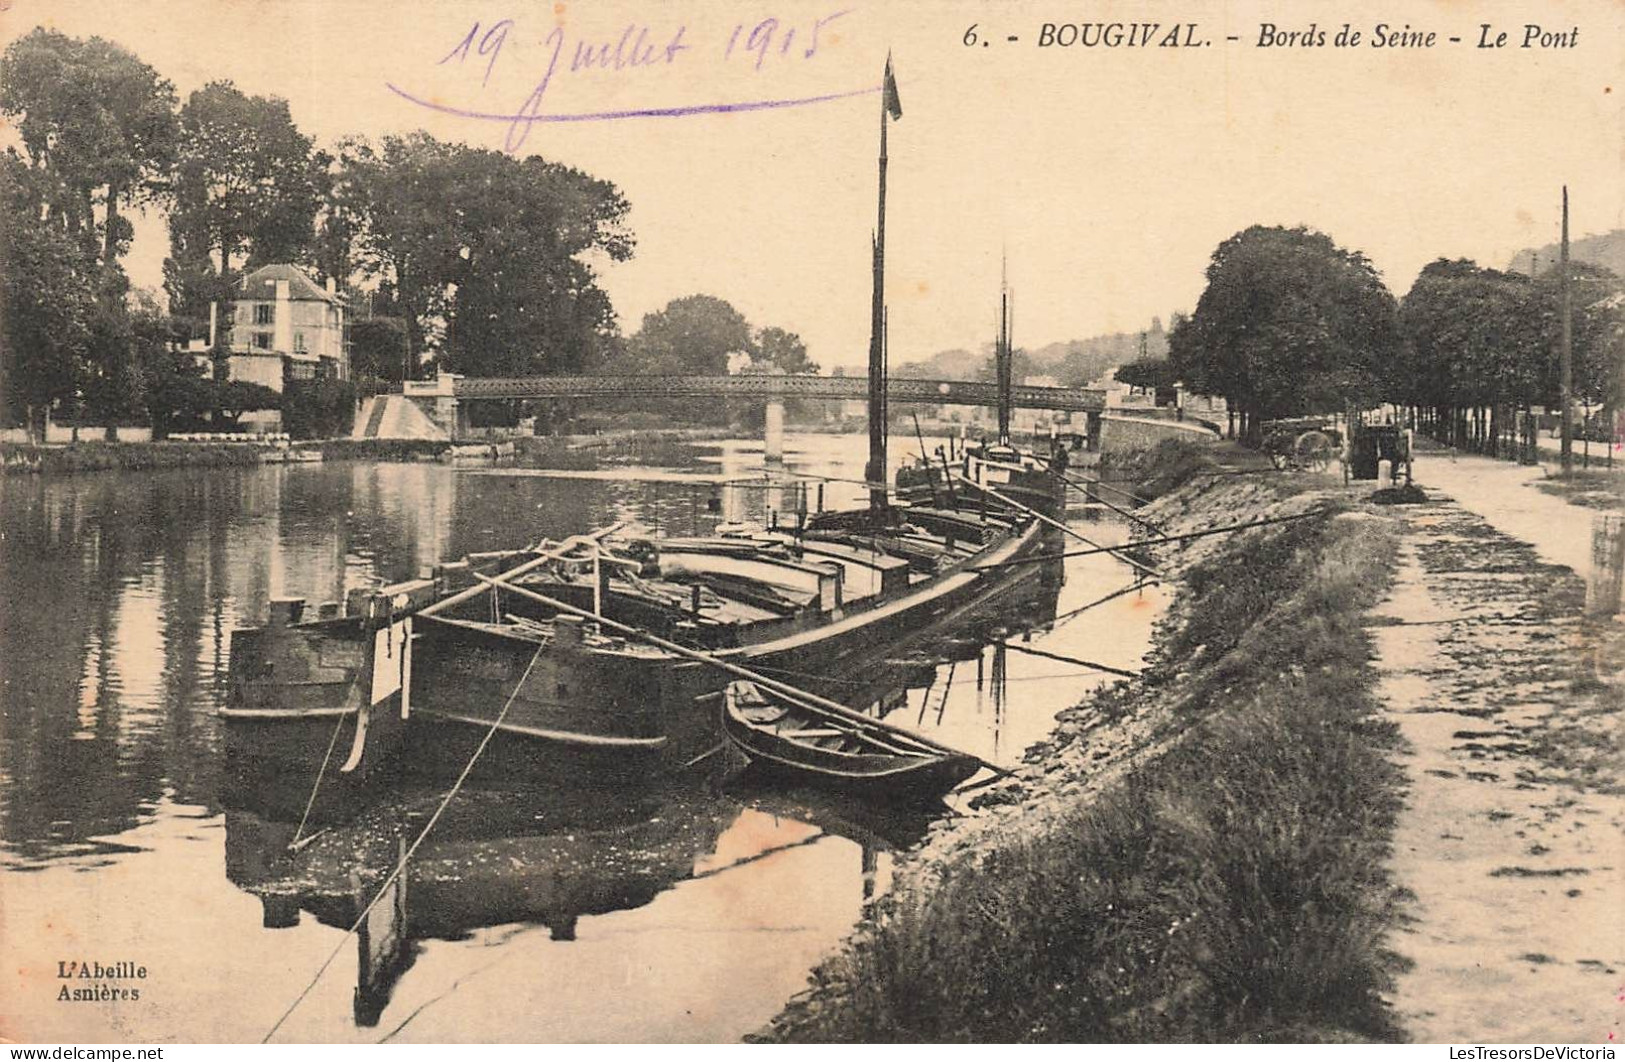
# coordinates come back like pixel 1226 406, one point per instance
pixel 1387 35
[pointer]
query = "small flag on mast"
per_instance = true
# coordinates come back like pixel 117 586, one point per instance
pixel 894 106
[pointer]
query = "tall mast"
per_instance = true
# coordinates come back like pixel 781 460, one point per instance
pixel 875 472
pixel 885 363
pixel 1566 350
pixel 1001 352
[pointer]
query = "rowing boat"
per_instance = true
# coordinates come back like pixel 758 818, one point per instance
pixel 847 751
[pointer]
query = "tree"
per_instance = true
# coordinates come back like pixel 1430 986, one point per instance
pixel 47 304
pixel 114 388
pixel 1473 344
pixel 1150 374
pixel 784 351
pixel 1289 323
pixel 378 348
pixel 400 190
pixel 318 409
pixel 490 250
pixel 246 185
pixel 232 398
pixel 179 391
pixel 172 386
pixel 1597 296
pixel 97 125
pixel 526 300
pixel 339 219
pixel 692 336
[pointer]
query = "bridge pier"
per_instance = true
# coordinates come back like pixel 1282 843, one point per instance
pixel 439 402
pixel 773 431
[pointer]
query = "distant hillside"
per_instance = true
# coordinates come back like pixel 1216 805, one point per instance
pixel 1076 363
pixel 1607 250
pixel 953 364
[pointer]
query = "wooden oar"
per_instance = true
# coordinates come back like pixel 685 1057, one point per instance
pixel 1051 521
pixel 699 656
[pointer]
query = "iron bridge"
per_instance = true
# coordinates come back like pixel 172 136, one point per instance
pixel 766 386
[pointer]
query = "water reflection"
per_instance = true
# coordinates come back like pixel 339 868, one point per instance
pixel 550 858
pixel 506 858
pixel 120 593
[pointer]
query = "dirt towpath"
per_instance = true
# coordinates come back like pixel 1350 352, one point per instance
pixel 1511 849
pixel 1504 494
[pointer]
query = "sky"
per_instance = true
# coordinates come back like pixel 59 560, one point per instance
pixel 1106 175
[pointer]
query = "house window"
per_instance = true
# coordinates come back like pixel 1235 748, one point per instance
pixel 262 341
pixel 265 313
pixel 299 342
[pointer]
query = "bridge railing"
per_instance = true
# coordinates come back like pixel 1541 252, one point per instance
pixel 829 388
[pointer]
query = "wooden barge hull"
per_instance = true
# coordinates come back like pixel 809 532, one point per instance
pixel 608 719
pixel 322 697
pixel 572 713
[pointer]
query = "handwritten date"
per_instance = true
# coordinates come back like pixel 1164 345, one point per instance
pixel 637 46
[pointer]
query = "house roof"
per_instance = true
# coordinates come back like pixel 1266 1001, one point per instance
pixel 261 284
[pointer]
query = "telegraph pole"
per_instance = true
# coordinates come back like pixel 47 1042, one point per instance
pixel 1566 349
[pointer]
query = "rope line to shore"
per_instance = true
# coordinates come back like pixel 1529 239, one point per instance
pixel 400 866
pixel 1117 551
pixel 1085 485
pixel 1018 647
pixel 1138 584
pixel 317 788
pixel 1157 541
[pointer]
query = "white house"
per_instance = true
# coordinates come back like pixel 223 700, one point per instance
pixel 287 328
pixel 284 327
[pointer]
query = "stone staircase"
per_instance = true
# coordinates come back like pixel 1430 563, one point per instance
pixel 395 417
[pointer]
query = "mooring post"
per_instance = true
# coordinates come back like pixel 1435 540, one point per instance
pixel 1607 564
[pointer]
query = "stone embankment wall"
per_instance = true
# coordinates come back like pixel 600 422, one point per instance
pixel 1122 432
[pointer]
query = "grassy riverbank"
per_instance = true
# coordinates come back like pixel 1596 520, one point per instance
pixel 132 456
pixel 1196 855
pixel 668 446
pixel 662 446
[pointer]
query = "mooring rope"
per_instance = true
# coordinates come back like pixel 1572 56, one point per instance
pixel 1084 485
pixel 317 788
pixel 1136 585
pixel 1041 558
pixel 1069 660
pixel 1117 551
pixel 400 867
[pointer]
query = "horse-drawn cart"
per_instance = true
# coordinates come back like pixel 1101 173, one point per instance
pixel 1304 444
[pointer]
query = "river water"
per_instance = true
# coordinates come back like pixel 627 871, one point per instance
pixel 689 918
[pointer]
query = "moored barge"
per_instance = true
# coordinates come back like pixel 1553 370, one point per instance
pixel 420 672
